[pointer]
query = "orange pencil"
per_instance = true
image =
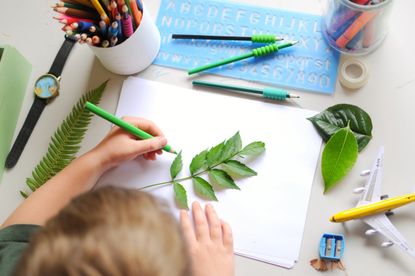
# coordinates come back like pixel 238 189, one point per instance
pixel 354 28
pixel 136 12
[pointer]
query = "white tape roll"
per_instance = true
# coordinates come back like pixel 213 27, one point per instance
pixel 353 73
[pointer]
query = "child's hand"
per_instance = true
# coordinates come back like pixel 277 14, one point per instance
pixel 210 244
pixel 120 146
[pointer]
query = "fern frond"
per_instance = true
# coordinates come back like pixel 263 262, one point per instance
pixel 65 142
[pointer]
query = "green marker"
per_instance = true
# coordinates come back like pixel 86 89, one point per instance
pixel 261 51
pixel 266 92
pixel 122 124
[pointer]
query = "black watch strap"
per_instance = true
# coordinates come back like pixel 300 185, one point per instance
pixel 24 134
pixel 39 104
pixel 60 59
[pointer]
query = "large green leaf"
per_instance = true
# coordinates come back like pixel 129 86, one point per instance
pixel 213 156
pixel 232 147
pixel 339 156
pixel 338 116
pixel 180 195
pixel 254 148
pixel 176 166
pixel 198 162
pixel 222 179
pixel 65 142
pixel 203 188
pixel 238 169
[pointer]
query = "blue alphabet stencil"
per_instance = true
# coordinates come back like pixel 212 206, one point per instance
pixel 310 65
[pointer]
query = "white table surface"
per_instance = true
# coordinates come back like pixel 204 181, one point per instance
pixel 388 97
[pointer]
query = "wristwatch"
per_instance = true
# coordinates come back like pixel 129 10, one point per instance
pixel 46 88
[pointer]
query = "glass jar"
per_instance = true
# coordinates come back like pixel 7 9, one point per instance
pixel 355 27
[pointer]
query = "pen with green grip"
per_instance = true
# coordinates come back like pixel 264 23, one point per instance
pixel 122 124
pixel 261 51
pixel 256 38
pixel 267 92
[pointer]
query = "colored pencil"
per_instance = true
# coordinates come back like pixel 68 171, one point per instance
pixel 127 24
pixel 101 11
pixel 137 132
pixel 76 13
pixel 85 3
pixel 72 5
pixel 354 28
pixel 136 12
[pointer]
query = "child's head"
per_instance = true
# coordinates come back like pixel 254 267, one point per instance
pixel 109 231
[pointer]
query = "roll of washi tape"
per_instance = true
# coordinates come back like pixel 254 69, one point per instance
pixel 353 73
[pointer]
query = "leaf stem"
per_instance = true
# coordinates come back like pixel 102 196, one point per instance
pixel 187 177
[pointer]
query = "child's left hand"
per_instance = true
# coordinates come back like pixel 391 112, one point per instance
pixel 119 146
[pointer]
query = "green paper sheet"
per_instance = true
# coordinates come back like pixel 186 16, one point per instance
pixel 14 75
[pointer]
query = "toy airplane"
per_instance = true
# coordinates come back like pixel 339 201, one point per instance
pixel 371 208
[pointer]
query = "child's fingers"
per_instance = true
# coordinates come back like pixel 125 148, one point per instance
pixel 214 223
pixel 227 236
pixel 149 155
pixel 144 124
pixel 148 145
pixel 187 227
pixel 201 224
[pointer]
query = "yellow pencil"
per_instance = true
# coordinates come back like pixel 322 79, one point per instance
pixel 373 208
pixel 101 11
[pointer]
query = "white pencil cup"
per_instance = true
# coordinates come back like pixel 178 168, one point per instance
pixel 134 54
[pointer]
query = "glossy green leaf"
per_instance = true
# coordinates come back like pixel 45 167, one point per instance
pixel 64 143
pixel 339 156
pixel 176 166
pixel 213 156
pixel 198 162
pixel 222 179
pixel 238 169
pixel 232 147
pixel 254 148
pixel 203 188
pixel 180 195
pixel 338 116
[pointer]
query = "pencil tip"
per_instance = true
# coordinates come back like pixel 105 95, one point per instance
pixel 294 96
pixel 277 38
pixel 294 42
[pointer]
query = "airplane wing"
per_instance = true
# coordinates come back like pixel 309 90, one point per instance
pixel 372 191
pixel 384 226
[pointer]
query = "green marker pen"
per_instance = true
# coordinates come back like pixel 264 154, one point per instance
pixel 123 124
pixel 266 92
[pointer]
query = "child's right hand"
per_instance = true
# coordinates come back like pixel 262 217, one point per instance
pixel 210 244
pixel 120 146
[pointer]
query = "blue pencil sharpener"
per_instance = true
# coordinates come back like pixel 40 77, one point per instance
pixel 331 247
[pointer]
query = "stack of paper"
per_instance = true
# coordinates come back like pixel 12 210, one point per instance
pixel 268 214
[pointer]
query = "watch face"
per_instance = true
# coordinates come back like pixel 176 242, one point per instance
pixel 47 86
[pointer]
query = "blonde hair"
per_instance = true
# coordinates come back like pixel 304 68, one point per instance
pixel 110 231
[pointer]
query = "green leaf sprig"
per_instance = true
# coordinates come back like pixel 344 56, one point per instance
pixel 65 143
pixel 219 163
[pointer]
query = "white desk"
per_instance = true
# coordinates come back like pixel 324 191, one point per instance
pixel 388 97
